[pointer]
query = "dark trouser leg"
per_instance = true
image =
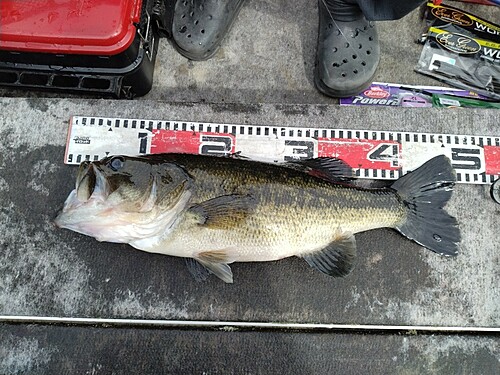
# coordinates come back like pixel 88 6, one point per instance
pixel 385 10
pixel 348 50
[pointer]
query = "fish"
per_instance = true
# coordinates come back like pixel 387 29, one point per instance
pixel 214 211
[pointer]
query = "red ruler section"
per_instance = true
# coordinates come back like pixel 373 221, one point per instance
pixel 492 159
pixel 172 141
pixel 371 154
pixel 362 153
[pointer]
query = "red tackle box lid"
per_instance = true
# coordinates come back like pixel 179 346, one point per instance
pixel 96 27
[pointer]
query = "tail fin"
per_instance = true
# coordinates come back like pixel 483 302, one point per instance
pixel 424 192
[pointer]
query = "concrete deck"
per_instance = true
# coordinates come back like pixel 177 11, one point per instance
pixel 263 76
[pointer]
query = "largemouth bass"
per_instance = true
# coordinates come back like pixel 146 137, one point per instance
pixel 217 210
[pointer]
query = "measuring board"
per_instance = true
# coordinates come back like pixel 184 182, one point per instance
pixel 371 154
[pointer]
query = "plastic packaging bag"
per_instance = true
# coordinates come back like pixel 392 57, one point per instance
pixel 457 53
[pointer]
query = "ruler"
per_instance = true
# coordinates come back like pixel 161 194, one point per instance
pixel 371 154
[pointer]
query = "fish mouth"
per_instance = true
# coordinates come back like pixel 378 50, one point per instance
pixel 85 181
pixel 90 183
pixel 91 191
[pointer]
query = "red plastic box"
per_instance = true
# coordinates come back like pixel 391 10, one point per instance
pixel 96 46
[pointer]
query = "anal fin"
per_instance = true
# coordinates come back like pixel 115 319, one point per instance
pixel 337 259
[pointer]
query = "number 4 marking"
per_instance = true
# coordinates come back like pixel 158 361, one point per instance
pixel 388 152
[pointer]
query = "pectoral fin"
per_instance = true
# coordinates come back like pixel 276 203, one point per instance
pixel 223 212
pixel 337 259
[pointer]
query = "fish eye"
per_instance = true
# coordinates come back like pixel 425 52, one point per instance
pixel 116 163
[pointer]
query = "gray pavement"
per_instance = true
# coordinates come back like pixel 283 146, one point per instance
pixel 262 76
pixel 77 350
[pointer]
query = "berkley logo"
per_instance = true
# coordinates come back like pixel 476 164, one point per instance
pixel 458 43
pixel 452 15
pixel 82 140
pixel 376 93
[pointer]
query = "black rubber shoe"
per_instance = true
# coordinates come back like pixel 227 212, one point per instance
pixel 348 51
pixel 199 26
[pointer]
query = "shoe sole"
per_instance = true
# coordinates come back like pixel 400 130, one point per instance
pixel 325 90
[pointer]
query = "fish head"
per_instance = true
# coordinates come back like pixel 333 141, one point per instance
pixel 118 198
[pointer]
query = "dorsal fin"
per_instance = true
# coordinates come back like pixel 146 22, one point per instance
pixel 329 169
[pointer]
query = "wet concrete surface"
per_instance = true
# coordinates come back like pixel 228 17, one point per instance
pixel 84 350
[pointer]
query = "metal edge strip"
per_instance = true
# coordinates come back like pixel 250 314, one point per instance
pixel 235 325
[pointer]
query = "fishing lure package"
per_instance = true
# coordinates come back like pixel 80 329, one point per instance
pixel 447 101
pixel 482 2
pixel 461 50
pixel 396 95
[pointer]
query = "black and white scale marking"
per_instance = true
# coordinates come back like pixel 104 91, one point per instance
pixel 92 138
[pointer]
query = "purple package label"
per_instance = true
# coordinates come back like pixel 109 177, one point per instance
pixel 394 95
